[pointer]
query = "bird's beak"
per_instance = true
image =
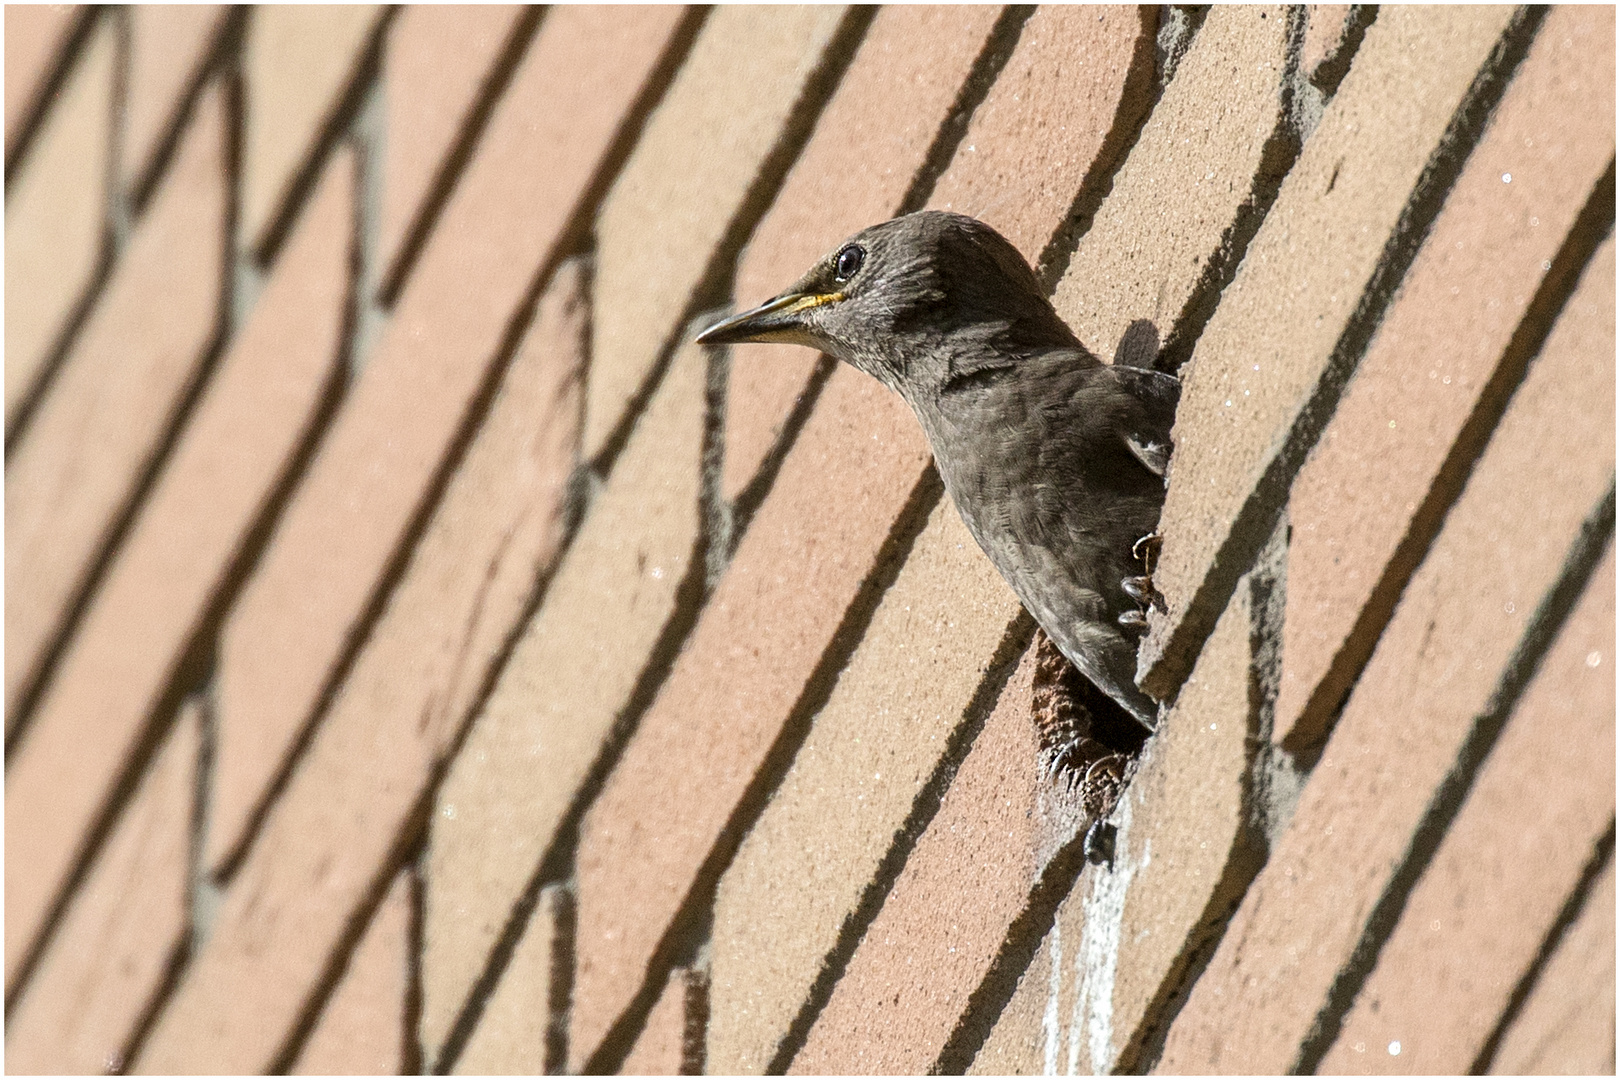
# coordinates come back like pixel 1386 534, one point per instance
pixel 777 320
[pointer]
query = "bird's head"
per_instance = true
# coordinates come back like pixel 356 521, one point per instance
pixel 905 300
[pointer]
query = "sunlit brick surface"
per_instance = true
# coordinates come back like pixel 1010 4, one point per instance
pixel 421 657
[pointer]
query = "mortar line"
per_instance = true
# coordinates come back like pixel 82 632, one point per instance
pixel 1581 560
pixel 50 86
pixel 687 929
pixel 1139 96
pixel 1258 514
pixel 390 280
pixel 1592 225
pixel 1574 905
pixel 1251 847
pixel 471 421
pixel 924 806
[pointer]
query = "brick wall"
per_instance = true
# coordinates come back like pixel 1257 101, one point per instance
pixel 420 656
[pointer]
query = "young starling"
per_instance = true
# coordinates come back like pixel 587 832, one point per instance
pixel 1055 460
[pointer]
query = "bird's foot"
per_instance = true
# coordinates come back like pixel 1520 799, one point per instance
pixel 1133 622
pixel 1142 591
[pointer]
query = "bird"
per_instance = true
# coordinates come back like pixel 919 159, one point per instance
pixel 1056 461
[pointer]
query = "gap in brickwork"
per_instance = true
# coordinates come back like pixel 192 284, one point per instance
pixel 365 139
pixel 1602 856
pixel 997 50
pixel 489 94
pixel 1144 86
pixel 1581 560
pixel 1591 227
pixel 688 932
pixel 1277 158
pixel 925 804
pixel 1260 511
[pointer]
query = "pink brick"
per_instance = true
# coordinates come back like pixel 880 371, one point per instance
pixel 168 46
pixel 362 1028
pixel 104 419
pixel 1476 919
pixel 436 66
pixel 1567 1023
pixel 122 929
pixel 1324 32
pixel 868 144
pixel 670 1043
pixel 35 37
pixel 297 64
pixel 945 919
pixel 335 829
pixel 56 217
pixel 1067 103
pixel 546 141
pixel 1267 348
pixel 798 568
pixel 1436 667
pixel 1367 485
pixel 248 425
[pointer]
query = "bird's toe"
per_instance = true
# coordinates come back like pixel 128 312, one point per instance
pixel 1133 621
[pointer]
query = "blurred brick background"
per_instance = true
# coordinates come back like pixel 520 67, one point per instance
pixel 420 657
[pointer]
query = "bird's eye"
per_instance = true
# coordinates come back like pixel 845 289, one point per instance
pixel 848 263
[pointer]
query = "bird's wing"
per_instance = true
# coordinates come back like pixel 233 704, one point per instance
pixel 1146 428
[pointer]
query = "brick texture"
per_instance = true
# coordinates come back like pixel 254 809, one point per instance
pixel 346 522
pixel 570 676
pixel 437 63
pixel 362 1029
pixel 401 709
pixel 168 46
pixel 909 979
pixel 1438 663
pixel 296 63
pixel 125 926
pixel 857 168
pixel 56 216
pixel 1097 981
pixel 1145 256
pixel 767 626
pixel 1324 33
pixel 662 1049
pixel 698 160
pixel 745 665
pixel 511 1036
pixel 107 411
pixel 1269 343
pixel 424 657
pixel 1047 128
pixel 181 548
pixel 1474 922
pixel 35 37
pixel 1357 497
pixel 874 745
pixel 1567 1023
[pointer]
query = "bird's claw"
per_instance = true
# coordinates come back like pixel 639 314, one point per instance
pixel 1133 621
pixel 1147 551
